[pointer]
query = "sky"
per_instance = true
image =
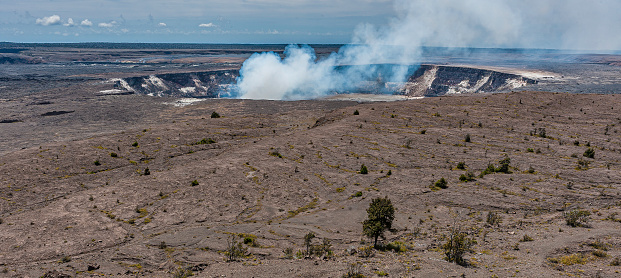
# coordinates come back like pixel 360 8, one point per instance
pixel 189 21
pixel 557 24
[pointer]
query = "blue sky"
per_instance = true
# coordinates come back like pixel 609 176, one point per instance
pixel 559 24
pixel 197 21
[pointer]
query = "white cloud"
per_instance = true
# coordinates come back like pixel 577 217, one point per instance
pixel 107 25
pixel 49 20
pixel 69 23
pixel 86 22
pixel 162 24
pixel 207 25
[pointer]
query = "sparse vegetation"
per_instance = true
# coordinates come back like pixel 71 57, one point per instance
pixel 181 272
pixel 439 184
pixel 503 168
pixel 457 245
pixel 308 241
pixel 571 259
pixel 276 154
pixel 353 271
pixel 583 164
pixel 288 253
pixel 380 215
pixel 526 238
pixel 364 170
pixel 577 218
pixel 493 218
pixel 467 177
pixel 234 250
pixel 205 141
pixel 589 153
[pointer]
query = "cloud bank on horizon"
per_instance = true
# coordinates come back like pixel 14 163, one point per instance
pixel 568 24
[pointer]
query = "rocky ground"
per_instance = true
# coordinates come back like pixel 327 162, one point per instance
pixel 79 202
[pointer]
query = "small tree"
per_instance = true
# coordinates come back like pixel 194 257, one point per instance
pixel 381 213
pixel 364 170
pixel 308 238
pixel 456 246
pixel 234 249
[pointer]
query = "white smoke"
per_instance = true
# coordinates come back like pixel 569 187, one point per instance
pixel 559 24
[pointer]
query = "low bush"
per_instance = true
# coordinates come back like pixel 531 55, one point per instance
pixel 364 170
pixel 577 218
pixel 589 153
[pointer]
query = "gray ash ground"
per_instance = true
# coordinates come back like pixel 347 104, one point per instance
pixel 63 212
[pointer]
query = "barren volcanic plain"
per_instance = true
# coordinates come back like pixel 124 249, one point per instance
pixel 96 181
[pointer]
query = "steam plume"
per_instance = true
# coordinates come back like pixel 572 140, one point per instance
pixel 568 24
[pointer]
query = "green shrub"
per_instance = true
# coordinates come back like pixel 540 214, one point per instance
pixel 276 154
pixel 503 168
pixel 598 244
pixel 467 138
pixel 530 150
pixel 97 163
pixel 235 250
pixel 114 155
pixel 356 112
pixel 364 170
pixel 423 131
pixel 440 184
pixel 577 218
pixel 599 253
pixel 215 115
pixel 493 218
pixel 357 194
pixel 461 165
pixel 456 246
pixel 467 177
pixel 616 261
pixel 194 183
pixel 288 253
pixel 147 171
pixel 308 240
pixel 205 141
pixel 135 144
pixel 589 153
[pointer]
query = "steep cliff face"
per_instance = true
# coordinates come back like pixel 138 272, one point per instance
pixel 212 84
pixel 427 80
pixel 434 80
